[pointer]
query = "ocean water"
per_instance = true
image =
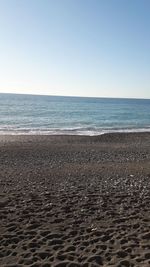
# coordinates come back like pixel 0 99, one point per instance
pixel 28 114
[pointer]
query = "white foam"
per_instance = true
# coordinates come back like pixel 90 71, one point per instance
pixel 89 131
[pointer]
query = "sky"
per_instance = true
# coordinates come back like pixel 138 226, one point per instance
pixel 98 48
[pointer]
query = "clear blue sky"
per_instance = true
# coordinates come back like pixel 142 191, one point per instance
pixel 75 47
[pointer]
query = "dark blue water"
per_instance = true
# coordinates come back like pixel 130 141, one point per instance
pixel 27 114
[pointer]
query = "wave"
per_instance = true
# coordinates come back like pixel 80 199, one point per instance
pixel 88 131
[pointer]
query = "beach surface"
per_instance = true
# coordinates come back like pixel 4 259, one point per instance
pixel 75 200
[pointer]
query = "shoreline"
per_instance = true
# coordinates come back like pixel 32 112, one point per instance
pixel 107 137
pixel 75 201
pixel 76 135
pixel 73 132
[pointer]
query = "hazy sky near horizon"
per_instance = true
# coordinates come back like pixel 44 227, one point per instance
pixel 75 47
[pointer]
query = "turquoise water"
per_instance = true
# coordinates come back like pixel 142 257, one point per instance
pixel 28 114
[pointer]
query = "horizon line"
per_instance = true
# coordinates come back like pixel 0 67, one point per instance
pixel 77 96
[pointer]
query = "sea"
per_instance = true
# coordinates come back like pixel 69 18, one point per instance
pixel 56 115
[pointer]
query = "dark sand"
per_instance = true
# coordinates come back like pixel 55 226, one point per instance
pixel 75 201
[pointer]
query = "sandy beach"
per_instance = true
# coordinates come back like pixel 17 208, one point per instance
pixel 75 200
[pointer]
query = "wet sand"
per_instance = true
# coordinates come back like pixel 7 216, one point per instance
pixel 75 201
